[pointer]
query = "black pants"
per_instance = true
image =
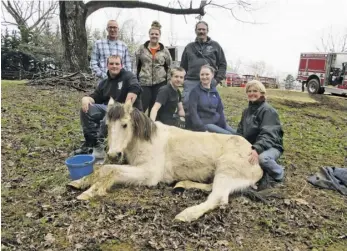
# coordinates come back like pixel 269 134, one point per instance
pixel 93 123
pixel 149 95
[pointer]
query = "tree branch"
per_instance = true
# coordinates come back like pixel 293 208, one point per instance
pixel 46 15
pixel 242 4
pixel 19 20
pixel 93 6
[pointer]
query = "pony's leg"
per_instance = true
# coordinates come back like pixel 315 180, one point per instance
pixel 97 189
pixel 187 184
pixel 88 180
pixel 223 185
pixel 119 174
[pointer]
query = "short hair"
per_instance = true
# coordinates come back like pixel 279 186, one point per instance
pixel 112 20
pixel 177 68
pixel 115 56
pixel 201 22
pixel 155 26
pixel 207 66
pixel 256 84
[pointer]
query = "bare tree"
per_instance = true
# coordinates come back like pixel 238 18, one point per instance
pixel 29 15
pixel 333 42
pixel 257 68
pixel 235 66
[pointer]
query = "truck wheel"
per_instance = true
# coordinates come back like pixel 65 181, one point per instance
pixel 313 86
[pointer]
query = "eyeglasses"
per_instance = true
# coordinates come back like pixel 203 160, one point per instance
pixel 112 28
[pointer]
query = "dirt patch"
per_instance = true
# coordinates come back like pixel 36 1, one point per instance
pixel 40 213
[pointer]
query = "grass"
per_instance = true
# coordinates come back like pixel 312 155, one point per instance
pixel 41 126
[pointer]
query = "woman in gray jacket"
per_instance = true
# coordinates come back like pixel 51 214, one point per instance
pixel 153 63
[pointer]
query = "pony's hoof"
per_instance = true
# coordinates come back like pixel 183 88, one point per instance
pixel 84 196
pixel 181 218
pixel 188 215
pixel 75 184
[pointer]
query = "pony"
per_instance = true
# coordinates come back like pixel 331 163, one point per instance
pixel 161 153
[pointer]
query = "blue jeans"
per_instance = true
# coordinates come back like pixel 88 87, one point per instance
pixel 217 129
pixel 267 161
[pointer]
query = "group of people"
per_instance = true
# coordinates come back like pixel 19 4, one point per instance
pixel 155 89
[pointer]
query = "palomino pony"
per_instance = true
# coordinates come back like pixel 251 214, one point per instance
pixel 160 153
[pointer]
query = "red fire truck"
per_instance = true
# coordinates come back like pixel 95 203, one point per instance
pixel 323 72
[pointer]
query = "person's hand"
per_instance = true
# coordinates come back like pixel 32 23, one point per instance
pixel 253 157
pixel 132 97
pixel 85 103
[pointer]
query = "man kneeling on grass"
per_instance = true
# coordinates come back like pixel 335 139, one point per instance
pixel 121 85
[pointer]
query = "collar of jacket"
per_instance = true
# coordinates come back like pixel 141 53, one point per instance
pixel 212 89
pixel 257 103
pixel 117 76
pixel 161 46
pixel 208 41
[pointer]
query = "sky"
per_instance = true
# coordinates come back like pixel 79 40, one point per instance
pixel 279 30
pixel 282 30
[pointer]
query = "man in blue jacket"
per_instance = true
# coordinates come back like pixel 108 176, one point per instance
pixel 121 85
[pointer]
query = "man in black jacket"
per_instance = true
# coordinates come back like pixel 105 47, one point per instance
pixel 121 85
pixel 201 52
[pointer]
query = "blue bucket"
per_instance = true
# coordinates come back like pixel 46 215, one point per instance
pixel 80 165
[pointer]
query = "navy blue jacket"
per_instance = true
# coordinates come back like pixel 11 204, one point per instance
pixel 205 107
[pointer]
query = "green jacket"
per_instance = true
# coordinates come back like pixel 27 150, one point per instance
pixel 261 126
pixel 152 70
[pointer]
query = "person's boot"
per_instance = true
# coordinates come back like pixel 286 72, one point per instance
pixel 85 148
pixel 268 182
pixel 99 151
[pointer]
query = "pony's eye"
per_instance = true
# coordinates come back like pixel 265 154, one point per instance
pixel 124 126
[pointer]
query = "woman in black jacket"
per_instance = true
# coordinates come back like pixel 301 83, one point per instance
pixel 261 126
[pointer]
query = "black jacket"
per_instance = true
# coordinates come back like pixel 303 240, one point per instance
pixel 260 125
pixel 118 88
pixel 196 55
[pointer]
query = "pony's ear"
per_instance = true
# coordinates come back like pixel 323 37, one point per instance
pixel 128 106
pixel 111 101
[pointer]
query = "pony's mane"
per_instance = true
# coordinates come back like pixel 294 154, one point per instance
pixel 143 127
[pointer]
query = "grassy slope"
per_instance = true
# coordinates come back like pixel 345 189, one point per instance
pixel 39 128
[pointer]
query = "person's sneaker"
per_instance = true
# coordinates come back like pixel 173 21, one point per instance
pixel 99 151
pixel 85 148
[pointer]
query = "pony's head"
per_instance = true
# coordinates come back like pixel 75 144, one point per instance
pixel 126 125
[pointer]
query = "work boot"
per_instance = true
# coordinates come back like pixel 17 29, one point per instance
pixel 268 182
pixel 85 148
pixel 99 151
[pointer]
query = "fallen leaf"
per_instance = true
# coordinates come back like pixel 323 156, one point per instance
pixel 301 201
pixel 49 239
pixel 29 215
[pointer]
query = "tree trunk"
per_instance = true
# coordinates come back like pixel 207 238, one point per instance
pixel 74 36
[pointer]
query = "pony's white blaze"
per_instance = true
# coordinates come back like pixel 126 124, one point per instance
pixel 119 132
pixel 159 153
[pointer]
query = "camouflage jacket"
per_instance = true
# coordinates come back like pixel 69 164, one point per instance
pixel 152 70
